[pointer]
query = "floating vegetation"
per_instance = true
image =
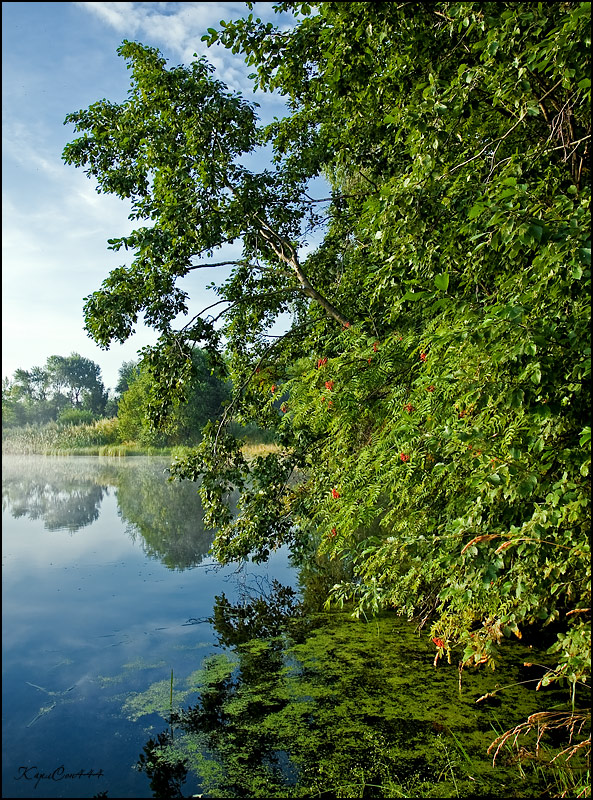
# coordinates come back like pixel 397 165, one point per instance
pixel 46 709
pixel 344 708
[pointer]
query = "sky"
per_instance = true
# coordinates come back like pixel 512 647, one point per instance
pixel 58 58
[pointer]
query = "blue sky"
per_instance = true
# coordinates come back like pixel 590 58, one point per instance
pixel 58 58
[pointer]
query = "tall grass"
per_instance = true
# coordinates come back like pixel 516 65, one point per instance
pixel 55 438
pixel 102 438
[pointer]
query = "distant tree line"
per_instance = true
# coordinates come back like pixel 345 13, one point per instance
pixel 69 390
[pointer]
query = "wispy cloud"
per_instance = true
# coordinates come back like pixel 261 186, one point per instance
pixel 177 28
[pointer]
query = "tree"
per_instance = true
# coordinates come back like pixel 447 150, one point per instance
pixel 435 419
pixel 82 377
pixel 205 396
pixel 127 374
pixel 36 396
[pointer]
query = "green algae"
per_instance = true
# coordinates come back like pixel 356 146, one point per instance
pixel 154 700
pixel 352 709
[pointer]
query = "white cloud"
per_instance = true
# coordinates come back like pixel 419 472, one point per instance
pixel 55 225
pixel 178 27
pixel 120 16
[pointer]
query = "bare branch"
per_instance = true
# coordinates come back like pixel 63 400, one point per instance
pixel 487 147
pixel 218 264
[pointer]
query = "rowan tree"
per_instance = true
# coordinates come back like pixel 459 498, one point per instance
pixel 430 394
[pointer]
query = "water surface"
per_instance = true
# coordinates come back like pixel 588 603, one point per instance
pixel 108 589
pixel 106 576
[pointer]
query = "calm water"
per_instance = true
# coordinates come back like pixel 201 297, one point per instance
pixel 104 562
pixel 107 591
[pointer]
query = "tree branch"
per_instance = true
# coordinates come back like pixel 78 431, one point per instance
pixel 287 254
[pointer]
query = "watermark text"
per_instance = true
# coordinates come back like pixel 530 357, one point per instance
pixel 58 774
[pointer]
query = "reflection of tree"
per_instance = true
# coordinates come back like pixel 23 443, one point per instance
pixel 66 492
pixel 166 776
pixel 246 759
pixel 60 499
pixel 264 617
pixel 325 705
pixel 168 516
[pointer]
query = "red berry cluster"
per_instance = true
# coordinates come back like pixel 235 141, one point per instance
pixel 404 457
pixel 321 362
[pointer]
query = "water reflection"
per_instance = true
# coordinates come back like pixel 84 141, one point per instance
pixel 324 705
pixel 165 519
pixel 99 613
pixel 167 516
pixel 60 497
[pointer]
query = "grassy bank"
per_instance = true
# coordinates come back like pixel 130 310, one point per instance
pixel 101 438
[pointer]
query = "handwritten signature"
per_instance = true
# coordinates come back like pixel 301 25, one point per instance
pixel 58 774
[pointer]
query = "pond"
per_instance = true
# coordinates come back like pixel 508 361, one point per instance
pixel 115 616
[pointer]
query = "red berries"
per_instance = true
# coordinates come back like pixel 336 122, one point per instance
pixel 335 494
pixel 422 356
pixel 404 457
pixel 329 385
pixel 333 532
pixel 375 346
pixel 430 388
pixel 321 362
pixel 409 408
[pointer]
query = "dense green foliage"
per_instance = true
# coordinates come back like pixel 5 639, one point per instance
pixel 432 391
pixel 205 397
pixel 68 388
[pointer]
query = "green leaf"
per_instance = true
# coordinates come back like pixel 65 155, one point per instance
pixel 442 281
pixel 517 397
pixel 577 272
pixel 476 210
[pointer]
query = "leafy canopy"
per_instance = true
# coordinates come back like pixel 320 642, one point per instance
pixel 431 392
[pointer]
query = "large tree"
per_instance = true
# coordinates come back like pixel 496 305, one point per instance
pixel 205 396
pixel 81 378
pixel 431 392
pixel 40 394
